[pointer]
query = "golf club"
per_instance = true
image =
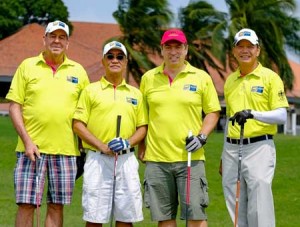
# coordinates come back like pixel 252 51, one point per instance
pixel 238 183
pixel 37 190
pixel 115 168
pixel 188 183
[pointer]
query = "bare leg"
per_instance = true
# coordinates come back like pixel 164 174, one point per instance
pixel 54 216
pixel 197 223
pixel 25 215
pixel 89 224
pixel 123 224
pixel 167 223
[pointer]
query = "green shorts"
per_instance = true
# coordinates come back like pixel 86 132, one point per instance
pixel 165 182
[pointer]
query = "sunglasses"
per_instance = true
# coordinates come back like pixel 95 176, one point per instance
pixel 119 57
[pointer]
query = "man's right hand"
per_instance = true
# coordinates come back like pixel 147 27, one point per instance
pixel 241 117
pixel 32 151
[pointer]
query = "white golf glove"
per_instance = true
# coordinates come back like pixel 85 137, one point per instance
pixel 194 143
pixel 118 144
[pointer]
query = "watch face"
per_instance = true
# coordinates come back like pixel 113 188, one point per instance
pixel 202 136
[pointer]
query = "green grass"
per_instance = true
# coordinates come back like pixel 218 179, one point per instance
pixel 285 185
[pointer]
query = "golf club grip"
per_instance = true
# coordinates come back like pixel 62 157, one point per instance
pixel 190 134
pixel 119 117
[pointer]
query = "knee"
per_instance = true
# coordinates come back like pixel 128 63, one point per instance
pixel 263 182
pixel 55 207
pixel 24 206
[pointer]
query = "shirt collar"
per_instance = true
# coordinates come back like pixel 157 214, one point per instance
pixel 187 69
pixel 66 61
pixel 104 83
pixel 255 72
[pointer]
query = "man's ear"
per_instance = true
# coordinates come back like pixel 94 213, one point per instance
pixel 186 49
pixel 258 52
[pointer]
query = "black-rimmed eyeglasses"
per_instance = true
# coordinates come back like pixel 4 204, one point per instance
pixel 119 57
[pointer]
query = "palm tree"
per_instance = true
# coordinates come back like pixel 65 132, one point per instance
pixel 271 19
pixel 142 23
pixel 205 30
pixel 276 28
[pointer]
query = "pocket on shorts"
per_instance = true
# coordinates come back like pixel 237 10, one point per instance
pixel 204 189
pixel 146 195
pixel 90 199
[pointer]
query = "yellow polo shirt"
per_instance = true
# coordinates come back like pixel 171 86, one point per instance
pixel 49 101
pixel 174 109
pixel 100 104
pixel 262 90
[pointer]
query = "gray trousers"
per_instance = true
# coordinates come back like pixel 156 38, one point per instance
pixel 256 206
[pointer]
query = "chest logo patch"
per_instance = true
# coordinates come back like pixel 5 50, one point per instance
pixel 133 101
pixel 257 89
pixel 190 87
pixel 72 79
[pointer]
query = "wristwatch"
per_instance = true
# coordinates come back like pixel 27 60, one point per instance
pixel 203 138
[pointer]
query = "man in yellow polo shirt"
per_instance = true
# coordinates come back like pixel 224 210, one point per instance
pixel 95 122
pixel 176 94
pixel 254 97
pixel 43 94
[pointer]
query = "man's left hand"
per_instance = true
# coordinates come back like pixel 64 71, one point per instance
pixel 194 143
pixel 118 144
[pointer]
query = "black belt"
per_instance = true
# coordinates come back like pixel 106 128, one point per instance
pixel 119 153
pixel 250 140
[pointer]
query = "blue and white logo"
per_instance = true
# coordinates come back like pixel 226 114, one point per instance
pixel 257 89
pixel 190 87
pixel 133 101
pixel 72 79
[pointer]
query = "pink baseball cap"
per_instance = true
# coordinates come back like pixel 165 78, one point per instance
pixel 173 34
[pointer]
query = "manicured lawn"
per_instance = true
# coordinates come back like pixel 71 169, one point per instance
pixel 285 185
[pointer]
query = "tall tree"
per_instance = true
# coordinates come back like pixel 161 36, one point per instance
pixel 276 28
pixel 9 17
pixel 142 23
pixel 16 13
pixel 205 29
pixel 271 19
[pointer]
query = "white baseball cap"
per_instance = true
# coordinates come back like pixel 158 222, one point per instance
pixel 246 34
pixel 56 25
pixel 114 45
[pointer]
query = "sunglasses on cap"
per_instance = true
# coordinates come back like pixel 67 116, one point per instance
pixel 119 57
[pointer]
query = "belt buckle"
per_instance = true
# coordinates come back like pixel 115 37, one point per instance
pixel 127 151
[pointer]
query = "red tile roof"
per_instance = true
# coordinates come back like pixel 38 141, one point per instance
pixel 86 48
pixel 15 48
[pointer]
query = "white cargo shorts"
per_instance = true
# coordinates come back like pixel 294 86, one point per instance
pixel 98 181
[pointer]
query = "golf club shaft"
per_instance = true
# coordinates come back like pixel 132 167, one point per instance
pixel 238 183
pixel 37 181
pixel 188 182
pixel 119 117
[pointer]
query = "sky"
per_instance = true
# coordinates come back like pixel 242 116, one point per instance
pixel 101 11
